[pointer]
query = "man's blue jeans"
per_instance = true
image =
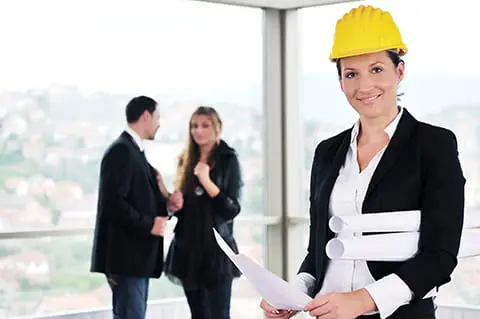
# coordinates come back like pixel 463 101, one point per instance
pixel 129 296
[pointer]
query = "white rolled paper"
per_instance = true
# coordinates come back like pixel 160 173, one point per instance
pixel 471 220
pixel 400 221
pixel 392 247
pixel 377 222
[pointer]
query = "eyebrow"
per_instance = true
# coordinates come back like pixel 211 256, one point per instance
pixel 375 63
pixel 370 65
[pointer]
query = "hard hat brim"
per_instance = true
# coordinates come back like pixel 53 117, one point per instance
pixel 400 49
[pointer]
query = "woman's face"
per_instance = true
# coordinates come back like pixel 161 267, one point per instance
pixel 202 130
pixel 370 82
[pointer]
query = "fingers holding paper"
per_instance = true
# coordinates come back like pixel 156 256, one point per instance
pixel 348 305
pixel 271 312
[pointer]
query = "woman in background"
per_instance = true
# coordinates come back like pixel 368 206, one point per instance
pixel 210 180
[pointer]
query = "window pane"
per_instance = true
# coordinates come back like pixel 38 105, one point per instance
pixel 51 275
pixel 65 82
pixel 64 90
pixel 245 299
pixel 440 87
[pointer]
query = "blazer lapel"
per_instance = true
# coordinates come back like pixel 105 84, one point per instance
pixel 405 128
pixel 142 158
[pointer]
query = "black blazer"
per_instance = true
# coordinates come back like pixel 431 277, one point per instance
pixel 194 257
pixel 419 170
pixel 226 205
pixel 128 201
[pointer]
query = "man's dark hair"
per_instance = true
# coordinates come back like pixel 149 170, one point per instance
pixel 137 106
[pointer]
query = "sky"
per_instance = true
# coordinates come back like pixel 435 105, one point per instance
pixel 171 46
pixel 438 33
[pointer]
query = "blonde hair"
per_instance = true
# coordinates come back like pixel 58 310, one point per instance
pixel 191 154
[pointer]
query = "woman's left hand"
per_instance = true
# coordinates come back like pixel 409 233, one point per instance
pixel 348 305
pixel 202 171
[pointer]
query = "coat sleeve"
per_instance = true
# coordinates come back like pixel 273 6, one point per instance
pixel 226 203
pixel 442 206
pixel 308 264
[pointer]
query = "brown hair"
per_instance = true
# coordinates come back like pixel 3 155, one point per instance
pixel 191 154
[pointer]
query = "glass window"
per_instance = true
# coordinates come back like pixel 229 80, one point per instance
pixel 440 87
pixel 68 70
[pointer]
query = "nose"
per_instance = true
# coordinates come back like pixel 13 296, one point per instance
pixel 365 84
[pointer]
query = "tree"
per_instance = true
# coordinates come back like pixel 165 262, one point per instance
pixel 56 214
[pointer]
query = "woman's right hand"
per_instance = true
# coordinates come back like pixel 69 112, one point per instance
pixel 175 202
pixel 271 312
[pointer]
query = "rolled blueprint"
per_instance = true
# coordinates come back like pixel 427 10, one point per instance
pixel 401 221
pixel 393 247
pixel 377 222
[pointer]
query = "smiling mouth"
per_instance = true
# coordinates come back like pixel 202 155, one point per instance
pixel 370 100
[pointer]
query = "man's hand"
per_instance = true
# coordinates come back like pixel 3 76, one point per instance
pixel 175 202
pixel 271 312
pixel 158 228
pixel 348 305
pixel 161 184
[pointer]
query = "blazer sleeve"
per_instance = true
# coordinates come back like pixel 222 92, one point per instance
pixel 308 264
pixel 116 178
pixel 226 203
pixel 442 207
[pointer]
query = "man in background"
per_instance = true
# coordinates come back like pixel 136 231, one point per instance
pixel 131 213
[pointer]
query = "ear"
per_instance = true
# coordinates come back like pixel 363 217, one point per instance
pixel 400 72
pixel 144 116
pixel 341 85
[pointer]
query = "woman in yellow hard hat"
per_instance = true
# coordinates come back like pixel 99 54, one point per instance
pixel 388 161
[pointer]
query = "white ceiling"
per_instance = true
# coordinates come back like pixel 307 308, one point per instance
pixel 278 4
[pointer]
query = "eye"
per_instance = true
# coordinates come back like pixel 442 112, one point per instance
pixel 350 75
pixel 377 69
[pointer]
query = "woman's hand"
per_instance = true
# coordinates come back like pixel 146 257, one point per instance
pixel 202 171
pixel 175 201
pixel 271 312
pixel 347 305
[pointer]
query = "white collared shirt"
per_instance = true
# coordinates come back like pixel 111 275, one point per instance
pixel 136 138
pixel 348 194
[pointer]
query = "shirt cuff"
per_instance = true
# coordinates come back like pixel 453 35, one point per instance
pixel 170 213
pixel 304 282
pixel 389 293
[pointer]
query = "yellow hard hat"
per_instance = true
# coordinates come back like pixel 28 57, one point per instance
pixel 366 30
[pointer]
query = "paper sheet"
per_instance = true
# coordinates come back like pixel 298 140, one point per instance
pixel 272 288
pixel 393 247
pixel 401 221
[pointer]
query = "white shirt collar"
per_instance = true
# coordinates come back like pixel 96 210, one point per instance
pixel 390 129
pixel 136 138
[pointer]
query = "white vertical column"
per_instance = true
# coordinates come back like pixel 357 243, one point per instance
pixel 293 148
pixel 283 162
pixel 273 137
